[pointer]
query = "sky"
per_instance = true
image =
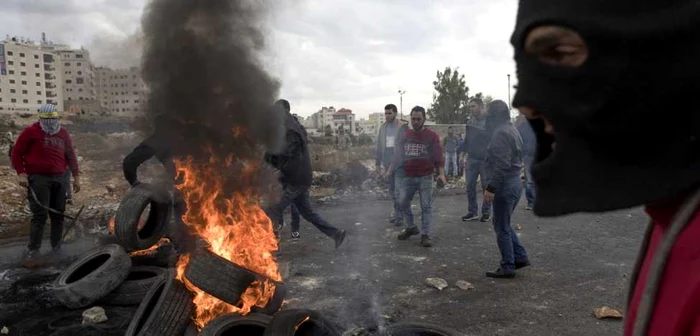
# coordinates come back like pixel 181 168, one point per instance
pixel 354 54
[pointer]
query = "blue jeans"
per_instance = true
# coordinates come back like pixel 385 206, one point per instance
pixel 475 168
pixel 408 187
pixel 299 197
pixel 504 202
pixel 451 168
pixel 530 192
pixel 394 192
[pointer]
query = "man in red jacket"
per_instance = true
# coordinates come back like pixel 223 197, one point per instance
pixel 417 154
pixel 592 79
pixel 40 157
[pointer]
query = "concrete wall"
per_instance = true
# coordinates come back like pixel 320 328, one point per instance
pixel 441 129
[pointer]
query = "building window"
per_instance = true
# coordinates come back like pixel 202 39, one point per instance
pixel 9 53
pixel 38 101
pixel 24 91
pixel 13 91
pixel 11 72
pixel 21 54
pixel 23 73
pixel 79 80
pixel 80 90
pixel 26 101
pixel 66 64
pixel 36 66
pixel 37 74
pixel 78 56
pixel 136 101
pixel 38 83
pixel 68 81
pixel 69 98
pixel 12 81
pixel 136 93
pixel 22 64
pixel 24 82
pixel 78 64
pixel 80 98
pixel 36 56
pixel 13 100
pixel 49 101
pixel 38 92
pixel 80 72
pixel 10 62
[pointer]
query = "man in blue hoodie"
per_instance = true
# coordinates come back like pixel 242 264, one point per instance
pixel 474 149
pixel 504 161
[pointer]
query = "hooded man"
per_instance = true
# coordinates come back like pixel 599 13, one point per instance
pixel 388 137
pixel 592 80
pixel 504 161
pixel 294 164
pixel 474 147
pixel 40 156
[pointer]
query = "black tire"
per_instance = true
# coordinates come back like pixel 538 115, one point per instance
pixel 135 287
pixel 275 302
pixel 420 329
pixel 234 324
pixel 300 322
pixel 106 240
pixel 129 213
pixel 93 276
pixel 218 277
pixel 165 310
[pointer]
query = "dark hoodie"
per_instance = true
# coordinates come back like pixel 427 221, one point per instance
pixel 294 161
pixel 475 139
pixel 504 156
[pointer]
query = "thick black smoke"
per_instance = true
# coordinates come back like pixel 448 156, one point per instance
pixel 201 64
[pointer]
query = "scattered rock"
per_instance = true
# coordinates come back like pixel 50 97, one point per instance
pixel 607 312
pixel 518 227
pixel 94 315
pixel 464 285
pixel 111 188
pixel 4 331
pixel 438 283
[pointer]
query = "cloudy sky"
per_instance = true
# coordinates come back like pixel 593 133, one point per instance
pixel 345 53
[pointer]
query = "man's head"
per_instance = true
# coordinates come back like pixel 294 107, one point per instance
pixel 476 106
pixel 417 118
pixel 48 119
pixel 450 131
pixel 283 104
pixel 583 86
pixel 390 112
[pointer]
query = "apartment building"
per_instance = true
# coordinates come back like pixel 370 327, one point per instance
pixel 120 91
pixel 344 119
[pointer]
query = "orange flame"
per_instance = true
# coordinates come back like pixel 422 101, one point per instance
pixel 235 228
pixel 111 226
pixel 160 242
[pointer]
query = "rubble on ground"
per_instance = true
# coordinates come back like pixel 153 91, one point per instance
pixel 94 315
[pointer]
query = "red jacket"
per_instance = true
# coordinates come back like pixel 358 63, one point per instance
pixel 677 308
pixel 419 152
pixel 36 152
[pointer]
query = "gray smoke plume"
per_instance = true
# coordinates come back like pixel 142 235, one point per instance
pixel 201 64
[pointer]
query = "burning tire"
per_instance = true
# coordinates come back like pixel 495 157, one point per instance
pixel 218 277
pixel 165 310
pixel 94 275
pixel 234 324
pixel 275 302
pixel 132 206
pixel 135 287
pixel 420 329
pixel 300 322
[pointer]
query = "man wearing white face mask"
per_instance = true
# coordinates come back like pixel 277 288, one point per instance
pixel 40 156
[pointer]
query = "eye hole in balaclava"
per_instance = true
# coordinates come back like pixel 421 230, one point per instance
pixel 556 45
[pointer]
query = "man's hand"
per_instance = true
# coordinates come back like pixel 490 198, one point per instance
pixel 488 196
pixel 76 184
pixel 22 180
pixel 442 179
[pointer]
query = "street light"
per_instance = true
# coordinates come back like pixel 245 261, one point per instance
pixel 401 92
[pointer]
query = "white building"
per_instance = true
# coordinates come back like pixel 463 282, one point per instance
pixel 344 119
pixel 323 117
pixel 120 91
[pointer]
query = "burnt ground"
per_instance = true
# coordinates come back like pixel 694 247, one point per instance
pixel 579 263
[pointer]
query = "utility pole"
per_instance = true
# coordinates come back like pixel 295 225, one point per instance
pixel 509 105
pixel 401 92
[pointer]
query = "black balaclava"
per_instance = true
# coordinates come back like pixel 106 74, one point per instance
pixel 626 123
pixel 497 114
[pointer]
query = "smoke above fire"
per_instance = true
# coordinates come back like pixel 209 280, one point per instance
pixel 209 94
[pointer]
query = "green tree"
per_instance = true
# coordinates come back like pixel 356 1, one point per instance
pixel 450 99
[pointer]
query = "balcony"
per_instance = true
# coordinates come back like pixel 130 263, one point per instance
pixel 50 86
pixel 49 77
pixel 50 94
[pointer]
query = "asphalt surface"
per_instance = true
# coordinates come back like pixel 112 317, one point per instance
pixel 579 262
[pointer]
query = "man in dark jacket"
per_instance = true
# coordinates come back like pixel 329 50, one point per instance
pixel 594 106
pixel 475 143
pixel 529 147
pixel 504 161
pixel 388 136
pixel 40 156
pixel 294 164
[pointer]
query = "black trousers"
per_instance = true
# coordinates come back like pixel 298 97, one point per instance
pixel 51 191
pixel 299 197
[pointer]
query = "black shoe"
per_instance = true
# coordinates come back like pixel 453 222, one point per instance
pixel 31 254
pixel 339 238
pixel 425 241
pixel 485 217
pixel 470 217
pixel 295 235
pixel 522 264
pixel 407 233
pixel 501 274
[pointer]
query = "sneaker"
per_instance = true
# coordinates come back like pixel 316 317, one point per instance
pixel 295 235
pixel 339 238
pixel 485 217
pixel 528 207
pixel 31 254
pixel 408 232
pixel 425 241
pixel 470 217
pixel 501 274
pixel 522 264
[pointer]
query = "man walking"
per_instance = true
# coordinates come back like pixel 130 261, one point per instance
pixel 40 157
pixel 504 161
pixel 529 147
pixel 594 107
pixel 475 143
pixel 388 136
pixel 294 164
pixel 451 146
pixel 420 153
pixel 296 217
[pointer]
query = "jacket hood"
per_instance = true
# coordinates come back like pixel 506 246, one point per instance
pixel 497 114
